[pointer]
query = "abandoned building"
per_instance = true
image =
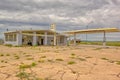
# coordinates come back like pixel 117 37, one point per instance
pixel 34 37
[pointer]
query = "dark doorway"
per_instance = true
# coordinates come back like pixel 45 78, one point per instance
pixel 42 41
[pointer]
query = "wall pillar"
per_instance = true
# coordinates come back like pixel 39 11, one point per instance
pixel 19 38
pixel 74 39
pixel 46 39
pixel 104 39
pixel 34 39
pixel 54 38
pixel 65 40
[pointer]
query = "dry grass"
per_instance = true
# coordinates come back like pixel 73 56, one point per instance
pixel 59 63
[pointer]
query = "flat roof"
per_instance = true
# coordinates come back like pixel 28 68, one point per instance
pixel 38 32
pixel 30 31
pixel 99 30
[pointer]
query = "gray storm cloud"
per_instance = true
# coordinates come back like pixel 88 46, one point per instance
pixel 67 14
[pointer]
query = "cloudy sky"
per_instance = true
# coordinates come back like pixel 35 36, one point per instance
pixel 67 14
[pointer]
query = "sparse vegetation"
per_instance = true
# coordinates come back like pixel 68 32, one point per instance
pixel 118 62
pixel 81 59
pixel 109 43
pixel 30 58
pixel 88 57
pixel 73 54
pixel 104 59
pixel 72 57
pixel 71 62
pixel 50 60
pixel 59 59
pixel 24 75
pixel 7 54
pixel 41 61
pixel 9 45
pixel 3 61
pixel 17 57
pixel 2 66
pixel 1 54
pixel 55 66
pixel 43 57
pixel 28 55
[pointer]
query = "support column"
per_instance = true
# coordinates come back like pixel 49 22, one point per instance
pixel 46 39
pixel 54 38
pixel 58 40
pixel 104 39
pixel 34 39
pixel 5 38
pixel 65 40
pixel 69 40
pixel 74 38
pixel 19 38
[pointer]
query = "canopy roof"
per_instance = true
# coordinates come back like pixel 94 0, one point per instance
pixel 99 30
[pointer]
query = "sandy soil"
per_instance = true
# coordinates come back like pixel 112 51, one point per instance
pixel 61 62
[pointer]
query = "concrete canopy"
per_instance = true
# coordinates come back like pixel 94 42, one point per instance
pixel 99 30
pixel 89 31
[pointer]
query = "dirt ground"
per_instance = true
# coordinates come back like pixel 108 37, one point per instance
pixel 60 63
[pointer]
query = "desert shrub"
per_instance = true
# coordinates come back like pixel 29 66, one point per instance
pixel 43 57
pixel 1 54
pixel 81 59
pixel 33 64
pixel 41 61
pixel 30 58
pixel 118 62
pixel 5 61
pixel 59 59
pixel 71 62
pixel 72 57
pixel 73 54
pixel 17 57
pixel 24 75
pixel 104 59
pixel 50 60
pixel 7 54
pixel 88 57
pixel 2 61
pixel 2 66
pixel 28 55
pixel 9 45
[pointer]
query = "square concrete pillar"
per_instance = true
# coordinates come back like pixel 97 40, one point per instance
pixel 19 38
pixel 55 39
pixel 46 39
pixel 74 39
pixel 34 39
